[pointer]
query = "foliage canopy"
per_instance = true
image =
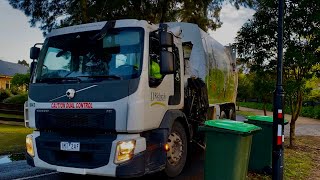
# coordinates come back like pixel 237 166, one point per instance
pixel 257 46
pixel 61 13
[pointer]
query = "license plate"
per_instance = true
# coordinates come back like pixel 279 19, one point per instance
pixel 70 146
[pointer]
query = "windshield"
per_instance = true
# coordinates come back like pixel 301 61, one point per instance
pixel 79 56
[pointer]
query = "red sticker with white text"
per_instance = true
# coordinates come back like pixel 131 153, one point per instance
pixel 71 105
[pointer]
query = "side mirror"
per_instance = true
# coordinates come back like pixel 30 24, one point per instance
pixel 166 39
pixel 34 52
pixel 167 63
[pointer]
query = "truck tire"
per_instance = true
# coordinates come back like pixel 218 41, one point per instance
pixel 232 114
pixel 223 115
pixel 177 153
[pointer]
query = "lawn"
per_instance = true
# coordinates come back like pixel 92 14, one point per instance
pixel 12 138
pixel 11 116
pixel 302 162
pixel 245 113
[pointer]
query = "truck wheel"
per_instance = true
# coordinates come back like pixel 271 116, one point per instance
pixel 223 115
pixel 177 154
pixel 232 114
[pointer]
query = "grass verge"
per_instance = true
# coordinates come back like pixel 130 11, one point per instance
pixel 245 113
pixel 12 138
pixel 301 162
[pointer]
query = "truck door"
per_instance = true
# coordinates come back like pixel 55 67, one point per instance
pixel 164 90
pixel 155 78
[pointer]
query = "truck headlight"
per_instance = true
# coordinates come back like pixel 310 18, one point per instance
pixel 29 145
pixel 125 151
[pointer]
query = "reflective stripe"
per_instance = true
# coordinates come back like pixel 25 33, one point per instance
pixel 279 140
pixel 280 115
pixel 279 130
pixel 279 135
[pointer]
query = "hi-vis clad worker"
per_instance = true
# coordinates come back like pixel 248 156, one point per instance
pixel 155 70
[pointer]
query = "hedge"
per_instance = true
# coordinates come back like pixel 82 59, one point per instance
pixel 17 99
pixel 4 94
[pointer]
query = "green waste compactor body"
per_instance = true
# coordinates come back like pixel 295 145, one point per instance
pixel 228 145
pixel 261 148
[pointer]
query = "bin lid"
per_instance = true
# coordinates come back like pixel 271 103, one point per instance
pixel 268 119
pixel 237 126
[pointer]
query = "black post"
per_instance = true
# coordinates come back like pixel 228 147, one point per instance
pixel 278 104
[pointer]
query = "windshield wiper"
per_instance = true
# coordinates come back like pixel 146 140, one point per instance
pixel 104 30
pixel 59 79
pixel 103 77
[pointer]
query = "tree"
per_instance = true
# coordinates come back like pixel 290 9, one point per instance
pixel 245 86
pixel 23 62
pixel 314 92
pixel 263 86
pixel 61 13
pixel 256 85
pixel 21 80
pixel 257 44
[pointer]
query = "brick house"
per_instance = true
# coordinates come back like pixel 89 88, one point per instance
pixel 8 70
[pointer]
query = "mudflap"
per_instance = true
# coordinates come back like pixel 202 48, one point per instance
pixel 29 159
pixel 134 168
pixel 156 155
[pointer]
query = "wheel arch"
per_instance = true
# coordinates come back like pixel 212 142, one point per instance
pixel 171 116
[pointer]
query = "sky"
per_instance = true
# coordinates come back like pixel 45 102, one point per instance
pixel 16 35
pixel 232 22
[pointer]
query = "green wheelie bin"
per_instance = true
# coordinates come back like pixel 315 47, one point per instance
pixel 261 148
pixel 228 145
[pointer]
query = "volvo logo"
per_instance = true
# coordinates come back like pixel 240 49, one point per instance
pixel 70 93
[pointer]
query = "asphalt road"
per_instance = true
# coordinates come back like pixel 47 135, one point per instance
pixel 20 170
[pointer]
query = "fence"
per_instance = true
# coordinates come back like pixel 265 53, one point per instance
pixel 11 109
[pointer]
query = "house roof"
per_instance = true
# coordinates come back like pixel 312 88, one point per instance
pixel 10 69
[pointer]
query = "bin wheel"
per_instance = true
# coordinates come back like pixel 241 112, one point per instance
pixel 268 170
pixel 223 115
pixel 177 153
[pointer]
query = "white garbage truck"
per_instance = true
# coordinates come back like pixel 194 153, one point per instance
pixel 124 98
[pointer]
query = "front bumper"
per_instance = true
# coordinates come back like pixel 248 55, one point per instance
pixel 132 168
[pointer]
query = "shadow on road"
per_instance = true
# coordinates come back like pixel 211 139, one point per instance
pixel 193 170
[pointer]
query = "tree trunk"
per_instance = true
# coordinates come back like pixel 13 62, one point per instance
pixel 264 108
pixel 292 132
pixel 295 114
pixel 84 11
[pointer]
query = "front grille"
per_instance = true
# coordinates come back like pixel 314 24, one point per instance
pixel 94 149
pixel 89 119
